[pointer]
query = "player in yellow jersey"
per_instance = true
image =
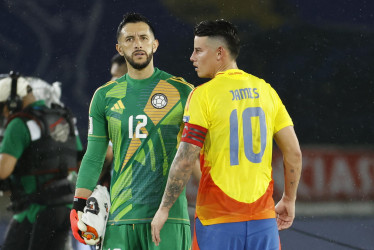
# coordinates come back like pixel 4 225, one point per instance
pixel 230 123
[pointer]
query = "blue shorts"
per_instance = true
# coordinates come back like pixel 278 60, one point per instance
pixel 246 235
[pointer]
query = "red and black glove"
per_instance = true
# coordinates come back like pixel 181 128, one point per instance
pixel 75 215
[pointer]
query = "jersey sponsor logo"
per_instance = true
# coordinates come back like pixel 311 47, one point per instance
pixel 90 126
pixel 159 101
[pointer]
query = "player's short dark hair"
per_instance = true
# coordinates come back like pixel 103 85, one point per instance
pixel 223 29
pixel 134 18
pixel 117 58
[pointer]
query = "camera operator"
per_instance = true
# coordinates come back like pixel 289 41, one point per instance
pixel 38 158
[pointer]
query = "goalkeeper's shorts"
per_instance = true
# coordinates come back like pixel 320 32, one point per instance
pixel 139 236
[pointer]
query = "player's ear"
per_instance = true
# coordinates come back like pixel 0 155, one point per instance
pixel 220 52
pixel 119 49
pixel 155 45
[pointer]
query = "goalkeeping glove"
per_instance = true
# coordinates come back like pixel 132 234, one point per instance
pixel 93 220
pixel 75 217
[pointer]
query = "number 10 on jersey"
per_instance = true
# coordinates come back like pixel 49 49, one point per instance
pixel 248 136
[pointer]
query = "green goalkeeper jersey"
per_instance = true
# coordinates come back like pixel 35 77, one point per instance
pixel 143 120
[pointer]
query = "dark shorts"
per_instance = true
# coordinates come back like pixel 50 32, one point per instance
pixel 247 235
pixel 49 231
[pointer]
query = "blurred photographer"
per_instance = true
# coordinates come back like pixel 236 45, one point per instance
pixel 38 159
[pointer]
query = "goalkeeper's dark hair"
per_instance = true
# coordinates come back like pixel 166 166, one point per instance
pixel 134 18
pixel 220 29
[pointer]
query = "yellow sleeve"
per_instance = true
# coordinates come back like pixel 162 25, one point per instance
pixel 196 110
pixel 282 118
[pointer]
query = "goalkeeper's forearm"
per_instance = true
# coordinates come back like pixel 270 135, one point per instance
pixel 83 192
pixel 91 166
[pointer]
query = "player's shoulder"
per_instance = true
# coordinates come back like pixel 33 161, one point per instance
pixel 106 87
pixel 176 80
pixel 259 82
pixel 265 87
pixel 180 81
pixel 257 79
pixel 202 91
pixel 207 86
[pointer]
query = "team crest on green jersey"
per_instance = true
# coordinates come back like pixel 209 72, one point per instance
pixel 159 100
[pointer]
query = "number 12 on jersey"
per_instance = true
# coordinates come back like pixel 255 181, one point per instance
pixel 141 124
pixel 247 114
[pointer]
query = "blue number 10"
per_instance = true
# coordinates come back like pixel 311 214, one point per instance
pixel 247 135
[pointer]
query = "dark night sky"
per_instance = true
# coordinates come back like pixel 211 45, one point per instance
pixel 318 57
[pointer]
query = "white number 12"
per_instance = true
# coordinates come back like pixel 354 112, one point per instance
pixel 140 125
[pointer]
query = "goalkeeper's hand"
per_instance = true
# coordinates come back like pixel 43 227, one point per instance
pixel 80 230
pixel 95 215
pixel 89 216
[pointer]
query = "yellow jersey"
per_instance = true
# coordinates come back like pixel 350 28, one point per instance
pixel 234 117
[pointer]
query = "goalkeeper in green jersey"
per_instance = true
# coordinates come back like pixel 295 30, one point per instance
pixel 141 114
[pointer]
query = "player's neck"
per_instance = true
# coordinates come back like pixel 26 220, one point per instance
pixel 226 66
pixel 142 73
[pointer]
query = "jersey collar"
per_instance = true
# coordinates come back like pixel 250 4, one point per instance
pixel 230 72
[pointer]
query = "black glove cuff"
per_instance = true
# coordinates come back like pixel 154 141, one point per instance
pixel 79 204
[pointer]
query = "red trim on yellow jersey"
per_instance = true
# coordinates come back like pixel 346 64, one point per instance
pixel 189 99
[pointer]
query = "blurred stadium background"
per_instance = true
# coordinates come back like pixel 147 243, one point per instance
pixel 316 54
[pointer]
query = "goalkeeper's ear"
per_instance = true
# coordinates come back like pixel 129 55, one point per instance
pixel 155 44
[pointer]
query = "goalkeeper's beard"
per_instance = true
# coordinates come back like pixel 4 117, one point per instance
pixel 139 66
